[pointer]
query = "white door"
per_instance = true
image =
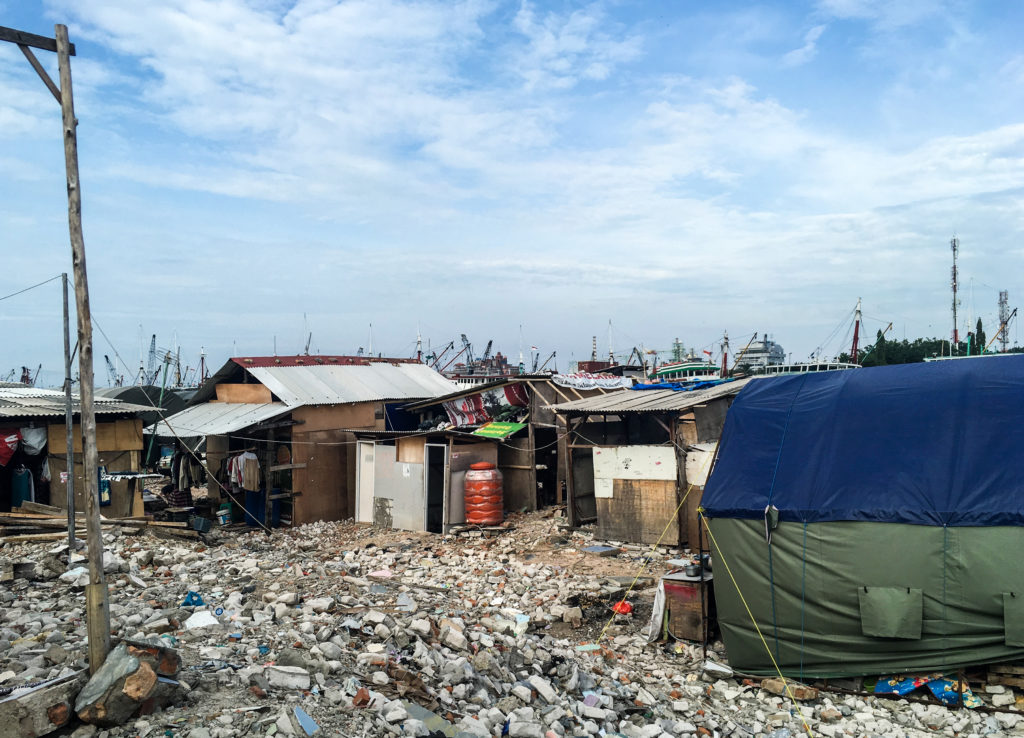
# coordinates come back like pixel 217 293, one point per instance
pixel 364 482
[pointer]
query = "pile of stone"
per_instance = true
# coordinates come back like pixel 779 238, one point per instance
pixel 334 629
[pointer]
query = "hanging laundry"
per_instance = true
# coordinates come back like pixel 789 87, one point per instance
pixel 8 444
pixel 250 471
pixel 244 471
pixel 22 486
pixel 33 440
pixel 104 486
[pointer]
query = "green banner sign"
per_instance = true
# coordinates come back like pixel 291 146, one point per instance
pixel 498 430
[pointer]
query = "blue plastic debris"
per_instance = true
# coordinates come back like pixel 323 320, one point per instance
pixel 192 599
pixel 307 723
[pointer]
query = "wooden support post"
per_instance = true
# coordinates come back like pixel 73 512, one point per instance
pixel 570 491
pixel 68 421
pixel 531 454
pixel 97 610
pixel 269 458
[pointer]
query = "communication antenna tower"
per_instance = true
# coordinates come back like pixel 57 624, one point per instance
pixel 954 246
pixel 1004 319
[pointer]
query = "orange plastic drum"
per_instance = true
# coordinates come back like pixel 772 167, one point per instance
pixel 485 498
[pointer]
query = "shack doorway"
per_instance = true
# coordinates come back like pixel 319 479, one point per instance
pixel 546 461
pixel 434 482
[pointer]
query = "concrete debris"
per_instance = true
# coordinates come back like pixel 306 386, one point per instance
pixel 137 677
pixel 340 629
pixel 41 710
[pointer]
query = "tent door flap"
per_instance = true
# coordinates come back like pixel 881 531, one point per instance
pixel 891 612
pixel 1013 618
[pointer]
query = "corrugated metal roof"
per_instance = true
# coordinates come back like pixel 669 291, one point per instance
pixel 217 418
pixel 24 402
pixel 333 385
pixel 315 360
pixel 646 401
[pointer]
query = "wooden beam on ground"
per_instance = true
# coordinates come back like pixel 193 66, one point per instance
pixel 27 537
pixel 36 507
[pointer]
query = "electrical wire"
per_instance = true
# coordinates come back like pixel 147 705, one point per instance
pixel 21 292
pixel 191 452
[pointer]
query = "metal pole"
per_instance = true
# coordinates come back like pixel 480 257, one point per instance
pixel 97 609
pixel 68 422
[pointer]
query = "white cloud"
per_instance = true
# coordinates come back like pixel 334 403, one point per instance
pixel 805 53
pixel 563 50
pixel 885 14
pixel 407 150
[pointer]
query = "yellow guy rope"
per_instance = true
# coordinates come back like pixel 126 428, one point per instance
pixel 760 635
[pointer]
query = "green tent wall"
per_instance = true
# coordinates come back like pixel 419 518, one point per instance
pixel 899 499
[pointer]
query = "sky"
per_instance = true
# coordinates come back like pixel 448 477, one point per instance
pixel 257 170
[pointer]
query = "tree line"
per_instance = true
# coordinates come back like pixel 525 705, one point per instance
pixel 883 352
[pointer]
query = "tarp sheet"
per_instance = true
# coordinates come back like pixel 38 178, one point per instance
pixel 937 443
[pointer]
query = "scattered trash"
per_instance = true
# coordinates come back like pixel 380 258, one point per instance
pixel 307 723
pixel 944 689
pixel 602 550
pixel 715 669
pixel 622 607
pixel 192 599
pixel 201 619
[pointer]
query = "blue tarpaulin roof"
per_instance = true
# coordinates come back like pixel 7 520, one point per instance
pixel 939 443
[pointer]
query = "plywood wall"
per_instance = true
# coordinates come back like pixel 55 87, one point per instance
pixel 113 435
pixel 635 493
pixel 327 479
pixel 125 495
pixel 638 511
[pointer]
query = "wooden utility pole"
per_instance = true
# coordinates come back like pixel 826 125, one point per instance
pixel 97 609
pixel 69 419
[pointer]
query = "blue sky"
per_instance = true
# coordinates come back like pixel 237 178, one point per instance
pixel 252 168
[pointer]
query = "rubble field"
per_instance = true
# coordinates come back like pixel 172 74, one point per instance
pixel 338 629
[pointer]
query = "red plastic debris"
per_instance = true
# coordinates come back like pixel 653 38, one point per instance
pixel 622 607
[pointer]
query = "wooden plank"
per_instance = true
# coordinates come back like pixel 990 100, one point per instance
pixel 26 537
pixel 1015 669
pixel 31 39
pixel 54 90
pixel 285 467
pixel 1008 681
pixel 256 394
pixel 37 522
pixel 36 507
pixel 38 516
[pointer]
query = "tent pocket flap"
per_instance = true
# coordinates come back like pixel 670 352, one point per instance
pixel 1013 618
pixel 891 612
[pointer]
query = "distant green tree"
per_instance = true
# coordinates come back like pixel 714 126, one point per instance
pixel 979 336
pixel 875 355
